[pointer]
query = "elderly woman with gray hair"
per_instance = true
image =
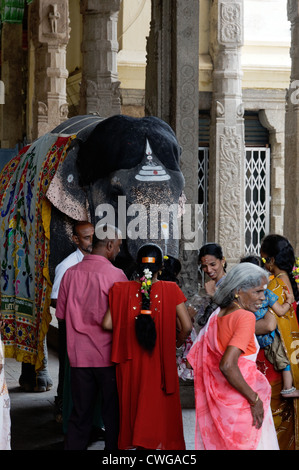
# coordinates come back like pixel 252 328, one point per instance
pixel 232 396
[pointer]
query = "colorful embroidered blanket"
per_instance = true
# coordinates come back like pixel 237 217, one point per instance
pixel 24 246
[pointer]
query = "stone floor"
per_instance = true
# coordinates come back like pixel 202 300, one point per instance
pixel 32 414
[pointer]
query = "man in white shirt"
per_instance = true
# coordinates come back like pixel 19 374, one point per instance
pixel 82 237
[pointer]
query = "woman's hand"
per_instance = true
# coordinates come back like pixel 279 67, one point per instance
pixel 210 288
pixel 266 325
pixel 191 310
pixel 257 411
pixel 289 297
pixel 230 369
pixel 185 324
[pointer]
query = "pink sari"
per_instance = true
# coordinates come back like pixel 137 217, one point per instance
pixel 223 415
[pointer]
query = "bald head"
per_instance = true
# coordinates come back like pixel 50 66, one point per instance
pixel 105 232
pixel 107 241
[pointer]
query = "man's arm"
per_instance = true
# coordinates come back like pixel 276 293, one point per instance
pixel 61 300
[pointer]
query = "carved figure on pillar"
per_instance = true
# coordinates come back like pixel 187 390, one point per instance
pixel 49 43
pixel 54 15
pixel 100 85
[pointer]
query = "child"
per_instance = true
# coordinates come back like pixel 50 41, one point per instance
pixel 271 342
pixel 170 271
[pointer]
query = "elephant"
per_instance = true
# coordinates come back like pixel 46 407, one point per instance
pixel 103 167
pixel 119 170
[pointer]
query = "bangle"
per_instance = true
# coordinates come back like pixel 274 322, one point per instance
pixel 255 401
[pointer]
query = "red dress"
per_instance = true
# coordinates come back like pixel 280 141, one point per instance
pixel 148 385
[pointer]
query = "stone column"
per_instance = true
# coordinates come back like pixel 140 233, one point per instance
pixel 227 148
pixel 100 85
pixel 49 27
pixel 172 94
pixel 12 110
pixel 291 214
pixel 274 121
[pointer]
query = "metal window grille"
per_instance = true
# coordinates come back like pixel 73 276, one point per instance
pixel 257 197
pixel 203 184
pixel 203 168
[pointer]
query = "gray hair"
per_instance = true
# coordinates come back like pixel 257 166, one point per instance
pixel 243 276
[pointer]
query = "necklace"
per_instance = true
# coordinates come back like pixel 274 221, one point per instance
pixel 236 303
pixel 228 308
pixel 280 274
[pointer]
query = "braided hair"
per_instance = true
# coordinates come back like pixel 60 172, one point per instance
pixel 279 248
pixel 149 261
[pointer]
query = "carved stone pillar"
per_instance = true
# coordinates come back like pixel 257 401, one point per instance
pixel 100 85
pixel 274 121
pixel 227 150
pixel 172 94
pixel 11 113
pixel 291 214
pixel 48 43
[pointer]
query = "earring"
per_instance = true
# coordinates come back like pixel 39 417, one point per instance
pixel 236 296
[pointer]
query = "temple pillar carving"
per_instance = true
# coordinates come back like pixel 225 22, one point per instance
pixel 227 146
pixel 100 85
pixel 172 94
pixel 274 121
pixel 48 73
pixel 12 127
pixel 291 213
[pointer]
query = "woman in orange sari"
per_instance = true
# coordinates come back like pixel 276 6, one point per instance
pixel 232 396
pixel 278 256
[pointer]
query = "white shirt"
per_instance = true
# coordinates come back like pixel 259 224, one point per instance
pixel 60 269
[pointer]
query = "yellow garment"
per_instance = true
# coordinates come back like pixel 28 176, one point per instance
pixel 285 410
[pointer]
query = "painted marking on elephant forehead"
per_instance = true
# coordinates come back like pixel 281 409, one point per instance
pixel 151 171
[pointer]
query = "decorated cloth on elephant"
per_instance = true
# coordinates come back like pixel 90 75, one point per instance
pixel 24 248
pixel 148 384
pixel 67 175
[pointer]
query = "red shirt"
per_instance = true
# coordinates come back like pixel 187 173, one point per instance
pixel 82 302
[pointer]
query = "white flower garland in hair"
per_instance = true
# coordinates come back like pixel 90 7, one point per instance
pixel 146 282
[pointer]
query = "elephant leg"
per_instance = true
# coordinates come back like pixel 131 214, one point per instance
pixel 32 381
pixel 27 378
pixel 43 379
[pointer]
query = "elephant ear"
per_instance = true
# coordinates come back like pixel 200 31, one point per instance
pixel 65 192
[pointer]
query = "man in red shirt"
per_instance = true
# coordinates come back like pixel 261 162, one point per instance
pixel 82 302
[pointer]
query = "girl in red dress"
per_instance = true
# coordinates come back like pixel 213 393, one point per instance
pixel 143 316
